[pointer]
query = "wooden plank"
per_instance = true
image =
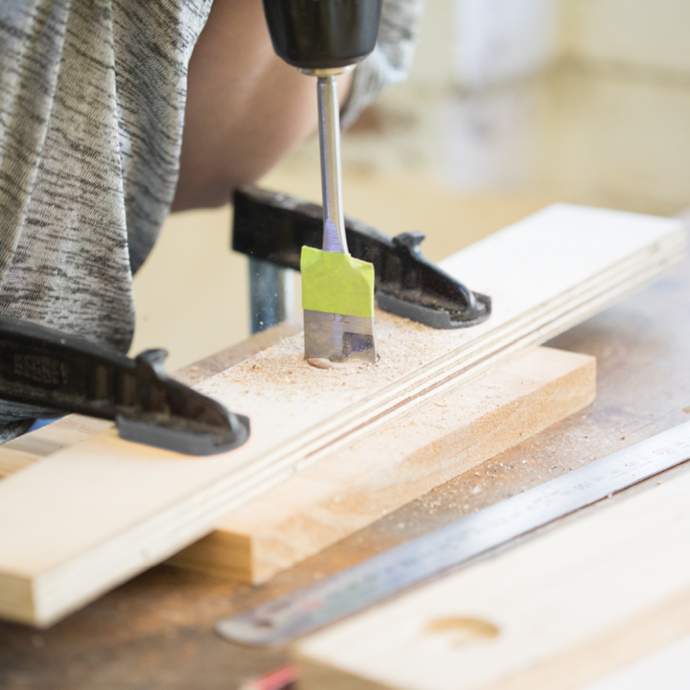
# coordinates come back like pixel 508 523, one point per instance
pixel 346 492
pixel 553 613
pixel 343 494
pixel 25 450
pixel 91 516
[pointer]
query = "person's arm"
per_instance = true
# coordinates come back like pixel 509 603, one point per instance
pixel 246 108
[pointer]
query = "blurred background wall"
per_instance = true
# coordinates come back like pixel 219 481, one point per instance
pixel 511 104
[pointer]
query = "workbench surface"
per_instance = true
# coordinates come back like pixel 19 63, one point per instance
pixel 157 631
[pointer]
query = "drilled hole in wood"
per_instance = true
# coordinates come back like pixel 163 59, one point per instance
pixel 461 630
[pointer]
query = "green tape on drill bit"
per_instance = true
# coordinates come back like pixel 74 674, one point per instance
pixel 337 283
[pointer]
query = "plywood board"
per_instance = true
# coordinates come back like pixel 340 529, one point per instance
pixel 344 493
pixel 554 613
pixel 21 452
pixel 90 516
pixel 355 487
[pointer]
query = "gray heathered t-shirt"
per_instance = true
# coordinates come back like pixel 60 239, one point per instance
pixel 92 96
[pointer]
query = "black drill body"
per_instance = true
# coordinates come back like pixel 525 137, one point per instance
pixel 323 34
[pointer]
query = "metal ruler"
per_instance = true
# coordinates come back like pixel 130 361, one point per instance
pixel 377 578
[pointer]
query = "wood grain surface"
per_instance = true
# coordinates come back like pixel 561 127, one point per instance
pixel 157 631
pixel 91 516
pixel 352 489
pixel 356 487
pixel 551 615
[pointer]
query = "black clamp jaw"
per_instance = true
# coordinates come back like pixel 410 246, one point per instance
pixel 51 369
pixel 274 227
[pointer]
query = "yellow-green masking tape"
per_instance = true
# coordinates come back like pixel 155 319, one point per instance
pixel 336 283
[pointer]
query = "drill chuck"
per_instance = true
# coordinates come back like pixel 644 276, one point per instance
pixel 323 34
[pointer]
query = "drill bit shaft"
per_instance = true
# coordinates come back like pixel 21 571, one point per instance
pixel 334 239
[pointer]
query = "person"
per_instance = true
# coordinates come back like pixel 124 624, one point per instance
pixel 114 112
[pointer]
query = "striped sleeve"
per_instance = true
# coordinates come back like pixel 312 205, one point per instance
pixel 391 60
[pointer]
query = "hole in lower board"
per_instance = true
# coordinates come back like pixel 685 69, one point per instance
pixel 462 630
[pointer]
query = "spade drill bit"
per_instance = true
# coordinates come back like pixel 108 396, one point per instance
pixel 326 38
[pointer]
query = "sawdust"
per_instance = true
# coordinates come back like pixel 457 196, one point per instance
pixel 403 347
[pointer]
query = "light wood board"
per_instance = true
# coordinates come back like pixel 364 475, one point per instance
pixel 91 516
pixel 346 492
pixel 354 488
pixel 21 452
pixel 554 613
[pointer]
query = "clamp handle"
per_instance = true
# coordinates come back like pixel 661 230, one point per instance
pixel 45 367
